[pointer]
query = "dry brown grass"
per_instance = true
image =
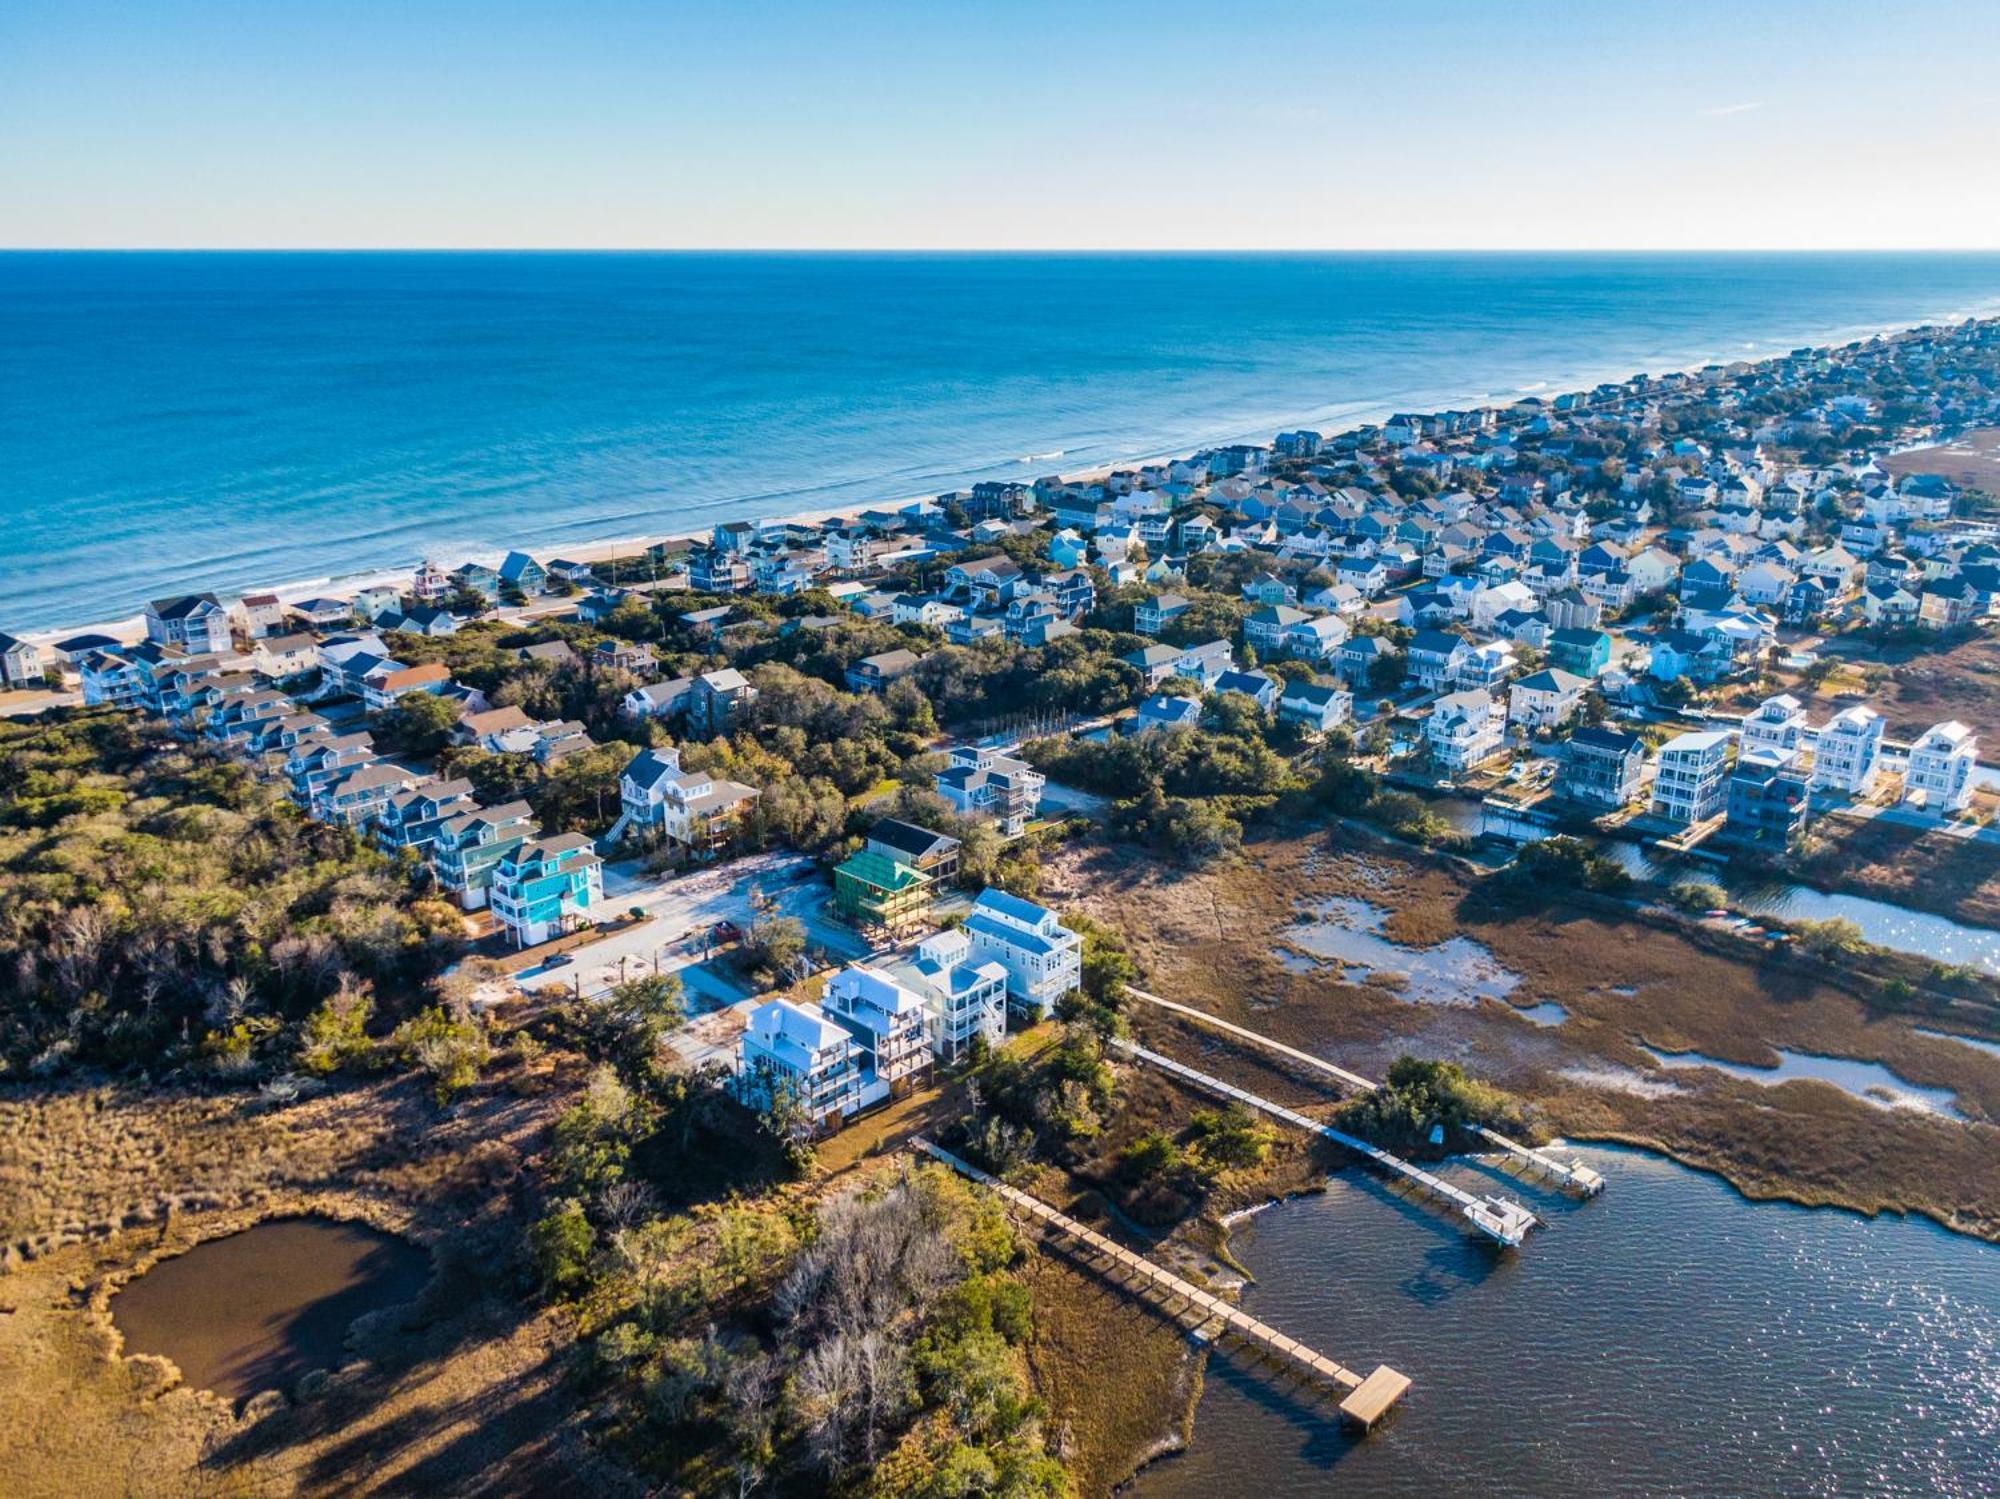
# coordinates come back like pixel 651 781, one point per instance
pixel 1971 460
pixel 1206 938
pixel 460 1392
pixel 1916 867
pixel 1120 1381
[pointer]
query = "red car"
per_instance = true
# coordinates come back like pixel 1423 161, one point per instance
pixel 727 931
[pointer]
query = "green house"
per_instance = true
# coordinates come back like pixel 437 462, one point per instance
pixel 1584 652
pixel 872 889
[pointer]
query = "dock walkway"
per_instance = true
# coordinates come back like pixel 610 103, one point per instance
pixel 1365 1401
pixel 1501 1219
pixel 1573 1175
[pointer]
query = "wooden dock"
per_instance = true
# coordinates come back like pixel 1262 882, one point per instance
pixel 1500 1219
pixel 1573 1175
pixel 1364 1401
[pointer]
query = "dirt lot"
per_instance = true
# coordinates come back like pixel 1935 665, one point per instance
pixel 1216 939
pixel 460 1390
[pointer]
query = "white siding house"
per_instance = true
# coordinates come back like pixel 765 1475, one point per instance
pixel 1693 781
pixel 1846 758
pixel 1939 777
pixel 1043 958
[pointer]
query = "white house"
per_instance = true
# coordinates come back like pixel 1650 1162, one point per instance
pixel 1043 958
pixel 1779 723
pixel 693 808
pixel 658 699
pixel 1318 708
pixel 985 782
pixel 795 1051
pixel 1693 781
pixel 1464 729
pixel 1545 699
pixel 1848 751
pixel 886 1019
pixel 965 1000
pixel 1939 777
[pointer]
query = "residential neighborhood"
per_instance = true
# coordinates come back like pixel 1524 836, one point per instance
pixel 1642 610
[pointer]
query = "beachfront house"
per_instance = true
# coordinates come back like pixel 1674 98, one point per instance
pixel 256 615
pixel 1939 776
pixel 523 573
pixel 544 887
pixel 1691 784
pixel 20 663
pixel 1043 958
pixel 193 622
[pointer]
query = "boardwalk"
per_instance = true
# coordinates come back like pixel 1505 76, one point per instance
pixel 1500 1219
pixel 1365 1401
pixel 1573 1175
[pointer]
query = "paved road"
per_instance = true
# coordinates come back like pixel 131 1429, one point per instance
pixel 681 908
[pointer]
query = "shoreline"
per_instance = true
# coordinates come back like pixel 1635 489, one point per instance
pixel 130 628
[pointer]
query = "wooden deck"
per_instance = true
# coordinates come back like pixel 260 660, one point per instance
pixel 1500 1219
pixel 1573 1175
pixel 1365 1401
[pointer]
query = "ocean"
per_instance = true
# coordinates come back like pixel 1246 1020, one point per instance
pixel 171 421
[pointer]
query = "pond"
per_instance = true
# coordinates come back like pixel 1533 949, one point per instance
pixel 1347 931
pixel 1669 1337
pixel 257 1310
pixel 1870 1082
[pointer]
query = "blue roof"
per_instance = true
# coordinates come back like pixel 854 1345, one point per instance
pixel 1013 936
pixel 1012 906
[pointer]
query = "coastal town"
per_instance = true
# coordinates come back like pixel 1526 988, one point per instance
pixel 1622 605
pixel 834 807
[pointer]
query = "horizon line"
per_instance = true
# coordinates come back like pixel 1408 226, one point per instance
pixel 1106 250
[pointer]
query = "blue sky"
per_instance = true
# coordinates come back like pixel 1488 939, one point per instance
pixel 1231 124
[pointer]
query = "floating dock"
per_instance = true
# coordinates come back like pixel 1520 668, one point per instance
pixel 1500 1219
pixel 1364 1401
pixel 1573 1175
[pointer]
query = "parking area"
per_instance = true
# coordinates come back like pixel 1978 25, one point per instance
pixel 678 934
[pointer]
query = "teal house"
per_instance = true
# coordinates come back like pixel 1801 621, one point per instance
pixel 547 886
pixel 1584 652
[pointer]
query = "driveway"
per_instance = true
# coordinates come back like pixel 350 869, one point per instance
pixel 683 909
